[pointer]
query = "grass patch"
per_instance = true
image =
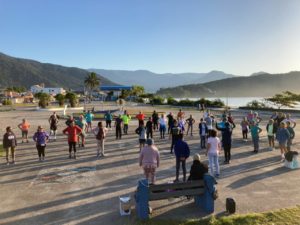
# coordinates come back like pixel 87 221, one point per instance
pixel 290 216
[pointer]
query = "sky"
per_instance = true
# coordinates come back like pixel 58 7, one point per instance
pixel 235 36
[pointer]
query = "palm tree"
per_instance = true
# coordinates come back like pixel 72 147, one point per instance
pixel 92 82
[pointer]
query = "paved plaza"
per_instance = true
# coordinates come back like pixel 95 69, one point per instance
pixel 86 190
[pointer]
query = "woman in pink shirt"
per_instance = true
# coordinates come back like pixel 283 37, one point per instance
pixel 149 160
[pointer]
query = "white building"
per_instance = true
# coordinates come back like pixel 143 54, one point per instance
pixel 52 91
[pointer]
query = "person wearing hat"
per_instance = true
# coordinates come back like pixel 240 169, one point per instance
pixel 41 138
pixel 198 169
pixel 149 160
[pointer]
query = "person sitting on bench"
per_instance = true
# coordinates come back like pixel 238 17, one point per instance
pixel 198 169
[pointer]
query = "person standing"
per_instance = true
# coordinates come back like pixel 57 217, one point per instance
pixel 141 131
pixel 245 128
pixel 100 134
pixel 118 125
pixel 226 140
pixel 10 143
pixel 209 123
pixel 53 121
pixel 140 117
pixel 72 132
pixel 126 118
pixel 180 115
pixel 271 131
pixel 289 119
pixel 292 135
pixel 182 152
pixel 108 118
pixel 174 135
pixel 213 151
pixel 282 136
pixel 24 127
pixel 41 138
pixel 170 121
pixel 149 128
pixel 190 121
pixel 89 118
pixel 255 131
pixel 155 119
pixel 81 122
pixel 162 126
pixel 203 132
pixel 149 160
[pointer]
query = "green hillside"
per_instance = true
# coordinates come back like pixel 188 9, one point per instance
pixel 262 85
pixel 24 72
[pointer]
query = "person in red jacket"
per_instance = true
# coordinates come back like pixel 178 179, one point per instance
pixel 72 132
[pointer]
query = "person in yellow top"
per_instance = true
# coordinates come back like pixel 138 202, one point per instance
pixel 24 127
pixel 126 118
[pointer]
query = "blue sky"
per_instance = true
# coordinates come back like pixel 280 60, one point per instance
pixel 235 36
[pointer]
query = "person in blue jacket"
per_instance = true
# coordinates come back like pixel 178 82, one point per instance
pixel 182 152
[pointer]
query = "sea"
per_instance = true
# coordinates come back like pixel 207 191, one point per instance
pixel 235 102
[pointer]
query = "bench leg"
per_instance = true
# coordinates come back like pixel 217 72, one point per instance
pixel 142 200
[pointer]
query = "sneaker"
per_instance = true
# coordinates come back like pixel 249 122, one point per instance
pixel 225 162
pixel 229 162
pixel 82 145
pixel 217 175
pixel 14 163
pixel 7 163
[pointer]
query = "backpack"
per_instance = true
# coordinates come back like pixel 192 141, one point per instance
pixel 100 135
pixel 230 205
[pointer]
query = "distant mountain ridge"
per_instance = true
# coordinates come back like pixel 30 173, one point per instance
pixel 153 81
pixel 261 85
pixel 26 72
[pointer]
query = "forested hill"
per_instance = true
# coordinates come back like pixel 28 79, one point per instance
pixel 24 72
pixel 262 85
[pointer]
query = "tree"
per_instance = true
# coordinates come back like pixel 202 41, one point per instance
pixel 61 99
pixel 16 89
pixel 286 99
pixel 92 82
pixel 137 90
pixel 72 97
pixel 43 98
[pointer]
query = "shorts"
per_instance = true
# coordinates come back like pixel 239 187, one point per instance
pixel 270 138
pixel 24 133
pixel 53 127
pixel 282 143
pixel 142 141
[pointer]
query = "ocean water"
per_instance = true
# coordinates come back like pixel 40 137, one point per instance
pixel 235 102
pixel 230 101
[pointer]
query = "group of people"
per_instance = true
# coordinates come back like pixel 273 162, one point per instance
pixel 280 127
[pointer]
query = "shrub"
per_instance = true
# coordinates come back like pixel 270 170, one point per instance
pixel 6 102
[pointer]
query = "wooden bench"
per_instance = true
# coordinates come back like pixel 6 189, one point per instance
pixel 201 190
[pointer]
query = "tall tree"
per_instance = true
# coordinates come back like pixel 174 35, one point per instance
pixel 92 82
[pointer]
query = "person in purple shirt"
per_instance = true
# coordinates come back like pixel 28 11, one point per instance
pixel 41 138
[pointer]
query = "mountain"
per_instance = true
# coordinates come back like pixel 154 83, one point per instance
pixel 153 81
pixel 263 85
pixel 24 72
